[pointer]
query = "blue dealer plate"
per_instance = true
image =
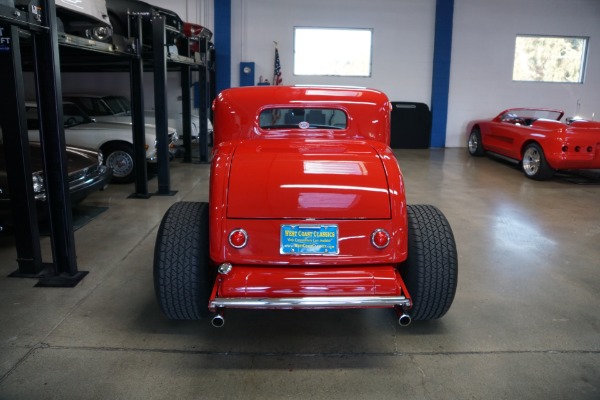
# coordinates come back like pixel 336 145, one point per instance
pixel 309 239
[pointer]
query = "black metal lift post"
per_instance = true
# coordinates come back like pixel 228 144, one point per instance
pixel 160 103
pixel 136 69
pixel 204 93
pixel 16 147
pixel 186 104
pixel 52 138
pixel 43 31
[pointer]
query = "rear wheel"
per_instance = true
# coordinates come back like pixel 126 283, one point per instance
pixel 119 157
pixel 534 163
pixel 431 270
pixel 181 264
pixel 474 144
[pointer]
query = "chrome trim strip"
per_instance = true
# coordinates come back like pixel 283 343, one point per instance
pixel 308 302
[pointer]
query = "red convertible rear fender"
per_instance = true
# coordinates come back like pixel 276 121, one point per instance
pixel 572 146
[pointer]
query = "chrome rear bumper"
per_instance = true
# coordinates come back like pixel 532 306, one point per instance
pixel 310 302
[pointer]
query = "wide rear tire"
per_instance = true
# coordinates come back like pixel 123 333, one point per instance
pixel 182 278
pixel 431 270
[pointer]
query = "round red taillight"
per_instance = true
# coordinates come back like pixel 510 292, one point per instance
pixel 238 238
pixel 380 239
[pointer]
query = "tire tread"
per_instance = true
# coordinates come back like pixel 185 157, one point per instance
pixel 432 267
pixel 181 277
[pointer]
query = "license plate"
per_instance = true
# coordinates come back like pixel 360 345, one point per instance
pixel 309 239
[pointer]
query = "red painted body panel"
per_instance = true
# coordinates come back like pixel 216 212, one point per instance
pixel 571 145
pixel 306 282
pixel 236 112
pixel 262 179
pixel 263 246
pixel 307 179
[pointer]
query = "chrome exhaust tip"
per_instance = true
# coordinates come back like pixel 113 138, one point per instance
pixel 404 319
pixel 218 321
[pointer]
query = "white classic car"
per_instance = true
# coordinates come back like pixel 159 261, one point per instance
pixel 115 108
pixel 84 18
pixel 115 140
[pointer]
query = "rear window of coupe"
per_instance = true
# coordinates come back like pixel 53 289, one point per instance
pixel 324 118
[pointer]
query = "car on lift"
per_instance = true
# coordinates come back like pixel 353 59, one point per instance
pixel 85 171
pixel 84 18
pixel 119 12
pixel 536 139
pixel 307 210
pixel 115 140
pixel 194 34
pixel 116 108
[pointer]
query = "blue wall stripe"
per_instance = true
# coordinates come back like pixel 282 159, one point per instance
pixel 223 44
pixel 440 86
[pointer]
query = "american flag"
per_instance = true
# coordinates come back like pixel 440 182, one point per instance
pixel 277 80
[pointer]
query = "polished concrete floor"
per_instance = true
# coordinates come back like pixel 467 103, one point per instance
pixel 525 323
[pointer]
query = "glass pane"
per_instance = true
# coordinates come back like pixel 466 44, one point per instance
pixel 549 59
pixel 115 104
pixel 304 118
pixel 332 52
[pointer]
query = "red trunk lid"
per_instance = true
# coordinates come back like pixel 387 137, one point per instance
pixel 303 179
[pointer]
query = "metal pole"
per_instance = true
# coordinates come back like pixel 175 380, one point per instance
pixel 160 103
pixel 49 90
pixel 136 78
pixel 18 163
pixel 186 105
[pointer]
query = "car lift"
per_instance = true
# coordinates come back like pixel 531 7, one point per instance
pixel 41 27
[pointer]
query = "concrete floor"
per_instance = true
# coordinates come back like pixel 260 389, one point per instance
pixel 525 323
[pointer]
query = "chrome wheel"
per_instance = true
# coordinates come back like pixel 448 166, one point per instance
pixel 534 163
pixel 531 161
pixel 121 163
pixel 473 143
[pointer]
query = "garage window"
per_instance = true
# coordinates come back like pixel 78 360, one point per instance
pixel 332 52
pixel 550 59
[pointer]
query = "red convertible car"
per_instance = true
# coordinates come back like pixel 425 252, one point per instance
pixel 307 210
pixel 537 139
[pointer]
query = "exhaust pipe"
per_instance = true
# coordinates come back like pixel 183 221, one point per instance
pixel 404 319
pixel 218 321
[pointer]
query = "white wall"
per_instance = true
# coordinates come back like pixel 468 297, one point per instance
pixel 483 45
pixel 402 40
pixel 482 53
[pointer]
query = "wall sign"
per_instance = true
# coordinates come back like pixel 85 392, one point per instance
pixel 4 40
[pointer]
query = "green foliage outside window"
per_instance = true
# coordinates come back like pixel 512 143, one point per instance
pixel 550 59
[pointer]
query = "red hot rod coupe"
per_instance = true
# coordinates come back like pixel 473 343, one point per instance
pixel 307 210
pixel 537 139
